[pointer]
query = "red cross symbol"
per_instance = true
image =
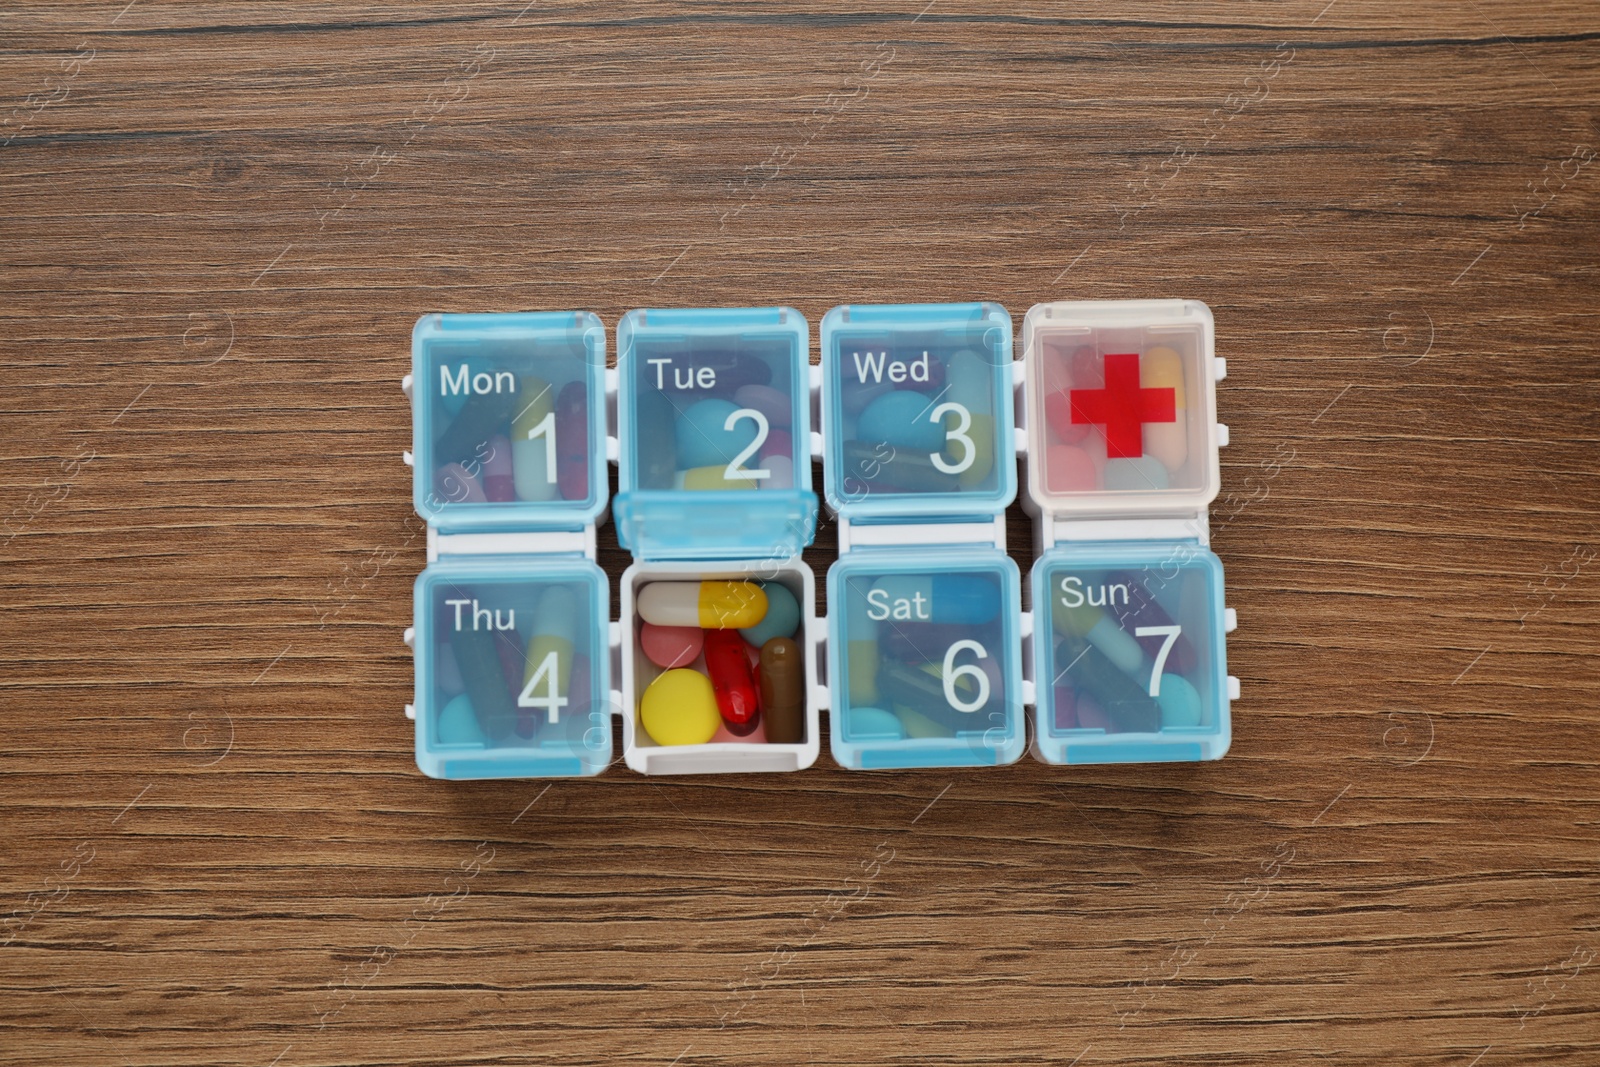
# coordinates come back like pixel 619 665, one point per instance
pixel 1123 407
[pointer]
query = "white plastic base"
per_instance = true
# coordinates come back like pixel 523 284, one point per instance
pixel 640 751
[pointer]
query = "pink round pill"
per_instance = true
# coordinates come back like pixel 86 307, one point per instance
pixel 1069 469
pixel 670 646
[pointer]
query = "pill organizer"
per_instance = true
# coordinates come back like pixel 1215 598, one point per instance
pixel 714 501
pixel 925 624
pixel 511 631
pixel 1120 443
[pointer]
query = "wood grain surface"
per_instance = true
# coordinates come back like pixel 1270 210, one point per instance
pixel 221 220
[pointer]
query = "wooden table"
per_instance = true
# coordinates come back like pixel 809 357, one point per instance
pixel 221 221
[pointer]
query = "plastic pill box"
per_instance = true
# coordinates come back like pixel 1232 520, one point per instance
pixel 924 621
pixel 714 501
pixel 1121 450
pixel 715 664
pixel 511 630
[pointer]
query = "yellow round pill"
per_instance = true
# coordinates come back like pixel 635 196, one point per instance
pixel 680 708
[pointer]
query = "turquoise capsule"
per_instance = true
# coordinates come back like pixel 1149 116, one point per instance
pixel 782 618
pixel 874 723
pixel 1180 702
pixel 704 436
pixel 458 724
pixel 904 419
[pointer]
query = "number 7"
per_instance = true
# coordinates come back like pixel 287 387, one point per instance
pixel 1171 633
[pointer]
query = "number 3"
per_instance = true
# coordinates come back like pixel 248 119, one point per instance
pixel 963 424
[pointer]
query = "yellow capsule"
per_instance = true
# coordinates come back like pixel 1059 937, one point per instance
pixel 980 432
pixel 861 666
pixel 919 725
pixel 1162 366
pixel 714 478
pixel 713 605
pixel 535 400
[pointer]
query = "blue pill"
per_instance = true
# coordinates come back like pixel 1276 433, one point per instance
pixel 1179 701
pixel 458 725
pixel 704 436
pixel 970 599
pixel 874 723
pixel 904 419
pixel 1136 475
pixel 782 618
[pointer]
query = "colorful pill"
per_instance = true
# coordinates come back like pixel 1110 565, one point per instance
pixel 861 649
pixel 572 441
pixel 547 672
pixel 904 419
pixel 778 443
pixel 1125 701
pixel 485 681
pixel 1070 469
pixel 498 483
pixel 457 725
pixel 1142 475
pixel 972 386
pixel 731 680
pixel 481 417
pixel 1179 701
pixel 1161 367
pixel 714 605
pixel 780 473
pixel 782 618
pixel 713 477
pixel 711 432
pixel 971 599
pixel 670 646
pixel 456 485
pixel 680 708
pixel 1142 609
pixel 917 724
pixel 783 691
pixel 757 736
pixel 445 671
pixel 771 402
pixel 1058 417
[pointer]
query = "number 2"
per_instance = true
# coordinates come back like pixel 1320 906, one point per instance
pixel 734 473
pixel 1171 633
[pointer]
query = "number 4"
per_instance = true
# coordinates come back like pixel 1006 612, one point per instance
pixel 550 671
pixel 1171 633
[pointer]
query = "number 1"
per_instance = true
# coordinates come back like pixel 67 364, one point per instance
pixel 547 429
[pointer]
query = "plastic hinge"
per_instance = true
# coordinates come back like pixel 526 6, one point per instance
pixel 408 459
pixel 1025 625
pixel 1233 688
pixel 1222 435
pixel 613 450
pixel 1219 367
pixel 411 712
pixel 816 445
pixel 1027 692
pixel 405 386
pixel 410 638
pixel 1230 620
pixel 1053 530
pixel 579 542
pixel 910 534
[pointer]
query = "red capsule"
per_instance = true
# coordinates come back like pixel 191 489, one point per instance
pixel 572 441
pixel 728 664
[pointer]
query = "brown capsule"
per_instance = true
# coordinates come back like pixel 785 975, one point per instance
pixel 783 692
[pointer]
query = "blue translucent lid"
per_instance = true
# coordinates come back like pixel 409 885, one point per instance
pixel 513 668
pixel 1129 657
pixel 508 426
pixel 714 432
pixel 917 410
pixel 924 659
